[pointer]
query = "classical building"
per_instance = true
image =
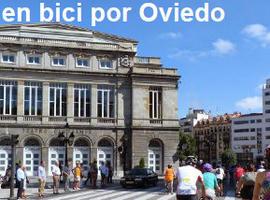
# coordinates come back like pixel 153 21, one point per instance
pixel 61 80
pixel 213 137
pixel 191 119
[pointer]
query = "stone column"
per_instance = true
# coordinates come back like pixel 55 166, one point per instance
pixel 94 104
pixel 70 100
pixel 45 104
pixel 20 99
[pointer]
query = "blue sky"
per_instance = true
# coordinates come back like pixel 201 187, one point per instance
pixel 222 65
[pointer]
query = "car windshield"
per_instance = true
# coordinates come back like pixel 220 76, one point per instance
pixel 138 172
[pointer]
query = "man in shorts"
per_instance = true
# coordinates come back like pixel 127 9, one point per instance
pixel 188 177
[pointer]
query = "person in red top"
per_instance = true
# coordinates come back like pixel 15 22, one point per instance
pixel 239 172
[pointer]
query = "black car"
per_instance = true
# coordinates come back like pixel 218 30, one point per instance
pixel 139 177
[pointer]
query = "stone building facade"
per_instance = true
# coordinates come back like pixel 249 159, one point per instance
pixel 61 79
pixel 213 136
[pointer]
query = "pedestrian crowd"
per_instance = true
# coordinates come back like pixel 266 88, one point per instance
pixel 62 174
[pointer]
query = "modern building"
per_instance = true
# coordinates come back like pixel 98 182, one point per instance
pixel 194 115
pixel 213 137
pixel 62 82
pixel 247 137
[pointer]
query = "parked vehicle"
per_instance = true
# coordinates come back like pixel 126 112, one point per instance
pixel 139 177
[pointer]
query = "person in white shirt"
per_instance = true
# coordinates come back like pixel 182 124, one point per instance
pixel 20 179
pixel 56 177
pixel 41 178
pixel 188 177
pixel 220 174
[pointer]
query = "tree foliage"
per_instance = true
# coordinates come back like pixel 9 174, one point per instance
pixel 186 146
pixel 142 163
pixel 228 158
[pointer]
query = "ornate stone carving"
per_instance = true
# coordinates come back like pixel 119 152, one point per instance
pixel 124 61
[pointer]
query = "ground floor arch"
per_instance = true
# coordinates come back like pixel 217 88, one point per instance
pixel 31 156
pixel 105 151
pixel 57 152
pixel 155 155
pixel 81 153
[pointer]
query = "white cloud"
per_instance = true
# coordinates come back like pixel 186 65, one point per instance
pixel 258 32
pixel 223 46
pixel 219 47
pixel 250 103
pixel 170 35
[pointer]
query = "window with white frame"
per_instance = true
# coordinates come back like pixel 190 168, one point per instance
pixel 8 97
pixel 105 63
pixel 58 99
pixel 33 59
pixel 8 58
pixel 155 103
pixel 105 103
pixel 82 62
pixel 32 98
pixel 58 61
pixel 81 100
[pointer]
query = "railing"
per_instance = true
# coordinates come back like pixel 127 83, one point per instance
pixel 48 42
pixel 57 119
pixel 161 71
pixel 8 118
pixel 147 60
pixel 32 118
pixel 82 119
pixel 106 120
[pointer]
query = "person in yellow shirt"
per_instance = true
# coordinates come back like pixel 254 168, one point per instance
pixel 77 176
pixel 169 176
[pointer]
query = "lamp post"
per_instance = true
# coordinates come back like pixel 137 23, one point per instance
pixel 68 139
pixel 13 142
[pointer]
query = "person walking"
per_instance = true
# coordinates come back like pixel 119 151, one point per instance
pixel 25 182
pixel 188 177
pixel 220 174
pixel 104 172
pixel 41 179
pixel 20 178
pixel 94 174
pixel 246 183
pixel 169 176
pixel 239 172
pixel 110 172
pixel 88 178
pixel 262 182
pixel 77 176
pixel 66 176
pixel 56 177
pixel 210 181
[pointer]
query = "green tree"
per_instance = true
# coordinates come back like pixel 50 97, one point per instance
pixel 142 163
pixel 228 158
pixel 186 146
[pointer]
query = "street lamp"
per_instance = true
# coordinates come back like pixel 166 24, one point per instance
pixel 67 138
pixel 13 142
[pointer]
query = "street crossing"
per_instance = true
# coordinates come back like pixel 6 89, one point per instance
pixel 117 193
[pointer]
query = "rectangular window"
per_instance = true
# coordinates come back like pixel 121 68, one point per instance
pixel 58 99
pixel 8 58
pixel 241 122
pixel 8 97
pixel 155 103
pixel 82 62
pixel 241 130
pixel 34 59
pixel 105 63
pixel 105 101
pixel 58 61
pixel 33 98
pixel 81 100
